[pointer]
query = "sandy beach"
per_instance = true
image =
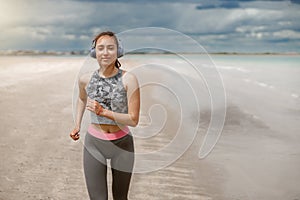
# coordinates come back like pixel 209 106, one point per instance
pixel 256 157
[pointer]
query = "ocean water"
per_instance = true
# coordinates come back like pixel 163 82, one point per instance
pixel 249 81
pixel 244 108
pixel 266 86
pixel 273 71
pixel 185 91
pixel 278 72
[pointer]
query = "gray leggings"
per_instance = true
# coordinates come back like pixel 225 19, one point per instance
pixel 95 155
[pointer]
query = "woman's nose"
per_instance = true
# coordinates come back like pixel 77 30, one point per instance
pixel 105 51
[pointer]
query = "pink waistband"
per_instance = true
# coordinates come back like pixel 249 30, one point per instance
pixel 108 136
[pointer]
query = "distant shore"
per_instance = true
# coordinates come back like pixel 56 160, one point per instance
pixel 86 52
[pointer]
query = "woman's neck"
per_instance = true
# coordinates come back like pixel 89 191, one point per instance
pixel 108 71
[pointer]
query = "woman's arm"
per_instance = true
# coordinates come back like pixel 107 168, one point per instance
pixel 81 102
pixel 80 107
pixel 133 97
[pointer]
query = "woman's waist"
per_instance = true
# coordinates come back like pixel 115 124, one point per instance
pixel 109 128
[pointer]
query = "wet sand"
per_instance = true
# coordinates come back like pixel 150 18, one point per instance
pixel 252 160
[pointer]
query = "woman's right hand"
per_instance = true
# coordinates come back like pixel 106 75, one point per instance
pixel 75 134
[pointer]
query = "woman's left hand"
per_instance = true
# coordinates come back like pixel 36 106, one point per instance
pixel 94 106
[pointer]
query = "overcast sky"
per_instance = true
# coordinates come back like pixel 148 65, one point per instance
pixel 218 25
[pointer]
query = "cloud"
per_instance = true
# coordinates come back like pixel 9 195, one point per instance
pixel 287 34
pixel 219 25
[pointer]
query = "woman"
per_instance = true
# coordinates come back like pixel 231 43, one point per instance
pixel 113 98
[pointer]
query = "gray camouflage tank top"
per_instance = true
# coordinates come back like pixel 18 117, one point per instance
pixel 110 93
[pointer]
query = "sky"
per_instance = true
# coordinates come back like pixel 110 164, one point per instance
pixel 217 25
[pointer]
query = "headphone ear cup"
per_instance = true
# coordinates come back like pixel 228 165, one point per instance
pixel 120 49
pixel 93 52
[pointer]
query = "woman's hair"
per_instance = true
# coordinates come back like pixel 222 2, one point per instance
pixel 111 34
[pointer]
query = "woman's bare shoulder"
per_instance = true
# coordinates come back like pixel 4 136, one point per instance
pixel 83 79
pixel 130 80
pixel 129 76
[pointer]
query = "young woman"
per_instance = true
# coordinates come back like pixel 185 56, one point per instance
pixel 113 98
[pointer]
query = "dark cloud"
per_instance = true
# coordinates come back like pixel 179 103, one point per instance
pixel 139 1
pixel 295 1
pixel 232 4
pixel 224 4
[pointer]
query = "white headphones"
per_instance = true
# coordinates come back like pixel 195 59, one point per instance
pixel 120 51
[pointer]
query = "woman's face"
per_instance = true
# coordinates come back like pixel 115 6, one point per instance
pixel 106 51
